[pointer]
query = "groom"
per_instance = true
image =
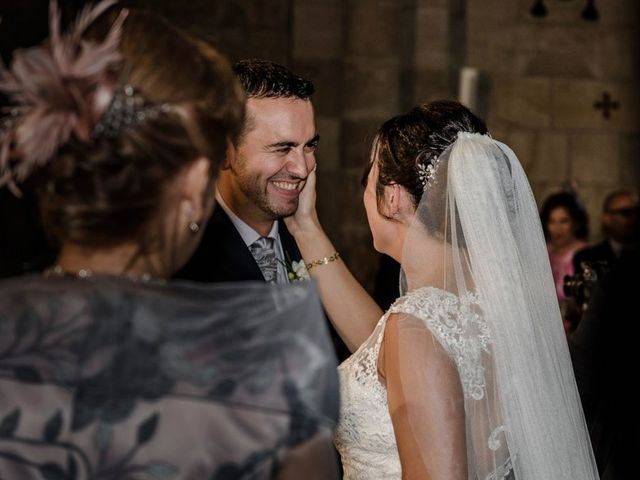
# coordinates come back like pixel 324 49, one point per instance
pixel 260 182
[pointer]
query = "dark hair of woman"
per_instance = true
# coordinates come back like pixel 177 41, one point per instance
pixel 573 207
pixel 420 135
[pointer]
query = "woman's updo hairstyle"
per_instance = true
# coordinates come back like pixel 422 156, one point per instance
pixel 112 189
pixel 418 136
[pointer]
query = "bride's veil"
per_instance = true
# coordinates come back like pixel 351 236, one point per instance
pixel 476 242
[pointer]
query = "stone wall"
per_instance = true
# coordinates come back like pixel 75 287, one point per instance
pixel 371 59
pixel 357 54
pixel 546 74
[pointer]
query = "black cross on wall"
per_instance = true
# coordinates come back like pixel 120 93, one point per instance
pixel 606 104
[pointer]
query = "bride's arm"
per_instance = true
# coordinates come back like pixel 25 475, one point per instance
pixel 426 401
pixel 352 311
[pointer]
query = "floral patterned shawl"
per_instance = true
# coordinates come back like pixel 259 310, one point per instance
pixel 106 378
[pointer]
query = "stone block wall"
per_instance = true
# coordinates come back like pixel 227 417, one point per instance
pixel 355 52
pixel 545 77
pixel 371 59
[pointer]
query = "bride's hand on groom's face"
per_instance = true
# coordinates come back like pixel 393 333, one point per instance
pixel 305 216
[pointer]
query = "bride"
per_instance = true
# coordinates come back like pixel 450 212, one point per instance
pixel 467 376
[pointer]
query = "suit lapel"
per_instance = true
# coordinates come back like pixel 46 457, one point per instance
pixel 289 246
pixel 235 258
pixel 222 255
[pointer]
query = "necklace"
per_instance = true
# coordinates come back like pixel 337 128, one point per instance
pixel 58 271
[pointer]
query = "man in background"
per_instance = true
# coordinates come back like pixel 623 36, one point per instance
pixel 619 223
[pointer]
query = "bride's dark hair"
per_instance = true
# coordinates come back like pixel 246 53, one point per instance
pixel 421 134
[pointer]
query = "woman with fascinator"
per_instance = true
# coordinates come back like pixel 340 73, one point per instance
pixel 108 370
pixel 467 376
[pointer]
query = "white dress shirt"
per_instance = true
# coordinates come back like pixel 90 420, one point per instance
pixel 249 235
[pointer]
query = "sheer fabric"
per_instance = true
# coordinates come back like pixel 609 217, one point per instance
pixel 477 361
pixel 104 378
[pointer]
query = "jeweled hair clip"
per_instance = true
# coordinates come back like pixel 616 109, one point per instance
pixel 127 108
pixel 427 165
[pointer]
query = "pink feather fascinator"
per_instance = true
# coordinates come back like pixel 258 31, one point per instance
pixel 56 90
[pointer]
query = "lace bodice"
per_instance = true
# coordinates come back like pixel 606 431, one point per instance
pixel 365 436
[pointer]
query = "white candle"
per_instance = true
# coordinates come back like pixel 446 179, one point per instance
pixel 468 87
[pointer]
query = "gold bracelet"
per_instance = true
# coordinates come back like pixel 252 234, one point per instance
pixel 323 261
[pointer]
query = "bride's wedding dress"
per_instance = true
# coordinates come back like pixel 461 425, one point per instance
pixel 365 436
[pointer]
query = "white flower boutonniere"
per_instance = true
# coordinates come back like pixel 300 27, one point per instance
pixel 299 271
pixel 296 271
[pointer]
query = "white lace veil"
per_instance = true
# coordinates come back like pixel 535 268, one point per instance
pixel 476 244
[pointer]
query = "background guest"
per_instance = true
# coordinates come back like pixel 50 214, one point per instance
pixel 603 352
pixel 566 227
pixel 619 223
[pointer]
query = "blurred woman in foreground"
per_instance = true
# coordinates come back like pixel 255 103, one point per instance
pixel 106 369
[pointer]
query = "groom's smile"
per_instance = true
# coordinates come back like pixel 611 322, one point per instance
pixel 289 188
pixel 286 186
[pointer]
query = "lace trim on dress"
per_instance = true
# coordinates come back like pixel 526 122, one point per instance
pixel 459 328
pixel 365 437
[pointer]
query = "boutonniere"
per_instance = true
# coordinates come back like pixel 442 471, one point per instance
pixel 296 271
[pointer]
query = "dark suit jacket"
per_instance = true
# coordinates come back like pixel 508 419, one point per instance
pixel 601 252
pixel 604 354
pixel 223 257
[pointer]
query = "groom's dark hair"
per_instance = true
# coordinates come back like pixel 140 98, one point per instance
pixel 266 79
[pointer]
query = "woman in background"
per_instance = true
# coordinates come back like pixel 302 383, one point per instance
pixel 108 370
pixel 566 227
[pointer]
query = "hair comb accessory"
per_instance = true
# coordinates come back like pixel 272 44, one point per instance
pixel 53 88
pixel 127 108
pixel 426 165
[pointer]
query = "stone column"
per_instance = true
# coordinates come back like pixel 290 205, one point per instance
pixel 377 46
pixel 440 49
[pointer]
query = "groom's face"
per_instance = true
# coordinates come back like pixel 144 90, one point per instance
pixel 276 154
